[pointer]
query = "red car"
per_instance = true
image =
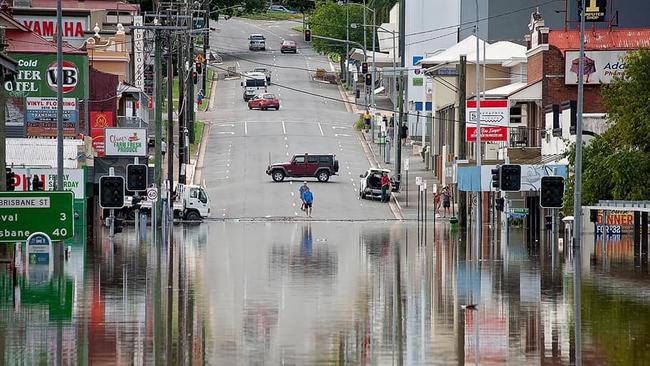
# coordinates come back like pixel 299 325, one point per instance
pixel 264 101
pixel 289 46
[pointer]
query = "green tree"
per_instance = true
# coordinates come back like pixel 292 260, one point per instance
pixel 616 164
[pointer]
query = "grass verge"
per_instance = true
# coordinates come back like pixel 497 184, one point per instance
pixel 199 126
pixel 206 98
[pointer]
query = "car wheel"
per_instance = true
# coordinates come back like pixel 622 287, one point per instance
pixel 363 195
pixel 278 175
pixel 250 106
pixel 323 176
pixel 192 216
pixel 277 108
pixel 263 108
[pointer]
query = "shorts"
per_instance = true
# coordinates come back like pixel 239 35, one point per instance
pixel 307 204
pixel 445 204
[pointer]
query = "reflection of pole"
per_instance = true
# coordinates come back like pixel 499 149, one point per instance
pixel 462 104
pixel 577 199
pixel 59 97
pixel 398 303
pixel 170 119
pixel 158 131
pixel 170 300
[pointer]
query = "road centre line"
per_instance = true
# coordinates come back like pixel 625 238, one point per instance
pixel 245 128
pixel 284 129
pixel 321 129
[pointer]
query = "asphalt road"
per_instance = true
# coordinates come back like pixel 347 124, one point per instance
pixel 311 119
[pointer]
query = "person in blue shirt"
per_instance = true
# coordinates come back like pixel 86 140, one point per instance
pixel 303 188
pixel 308 199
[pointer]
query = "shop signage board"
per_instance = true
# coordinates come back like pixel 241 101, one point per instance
pixel 36 76
pixel 73 179
pixel 600 66
pixel 24 213
pixel 41 116
pixel 495 117
pixel 125 141
pixel 99 121
pixel 74 28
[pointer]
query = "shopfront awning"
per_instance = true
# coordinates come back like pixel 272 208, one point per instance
pixel 530 93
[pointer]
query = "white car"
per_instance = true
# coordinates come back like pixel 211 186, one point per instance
pixel 370 184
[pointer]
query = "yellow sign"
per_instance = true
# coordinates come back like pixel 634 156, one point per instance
pixel 199 58
pixel 595 10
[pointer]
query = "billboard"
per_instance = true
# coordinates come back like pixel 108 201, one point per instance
pixel 45 26
pixel 125 141
pixel 600 67
pixel 73 179
pixel 36 76
pixel 41 116
pixel 495 117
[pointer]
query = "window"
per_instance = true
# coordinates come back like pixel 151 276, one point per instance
pixel 194 193
pixel 269 96
pixel 325 159
pixel 299 160
pixel 312 159
pixel 202 196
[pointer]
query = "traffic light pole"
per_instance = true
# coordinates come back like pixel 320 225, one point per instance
pixel 111 217
pixel 158 128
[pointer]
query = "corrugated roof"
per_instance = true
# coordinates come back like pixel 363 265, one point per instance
pixel 452 54
pixel 41 152
pixel 30 42
pixel 85 5
pixel 601 39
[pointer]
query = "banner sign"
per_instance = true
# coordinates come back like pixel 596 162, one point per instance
pixel 41 116
pixel 73 180
pixel 125 141
pixel 36 76
pixel 74 28
pixel 495 117
pixel 595 10
pixel 99 121
pixel 600 67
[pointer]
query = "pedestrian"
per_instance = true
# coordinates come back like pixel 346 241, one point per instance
pixel 303 188
pixel 436 203
pixel 163 147
pixel 404 132
pixel 308 197
pixel 385 185
pixel 366 120
pixel 446 201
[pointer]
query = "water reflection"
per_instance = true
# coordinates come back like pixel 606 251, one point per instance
pixel 327 293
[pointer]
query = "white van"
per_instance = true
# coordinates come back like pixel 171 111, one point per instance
pixel 254 83
pixel 257 42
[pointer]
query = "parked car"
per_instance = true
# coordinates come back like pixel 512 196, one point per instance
pixel 264 71
pixel 264 101
pixel 319 166
pixel 257 42
pixel 289 46
pixel 281 9
pixel 370 184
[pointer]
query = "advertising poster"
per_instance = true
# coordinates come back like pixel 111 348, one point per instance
pixel 495 117
pixel 36 76
pixel 41 116
pixel 600 67
pixel 99 121
pixel 125 141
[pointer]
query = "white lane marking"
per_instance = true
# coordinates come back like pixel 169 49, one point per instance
pixel 341 135
pixel 286 146
pixel 225 133
pixel 240 65
pixel 321 129
pixel 339 127
pixel 292 194
pixel 284 129
pixel 287 153
pixel 245 128
pixel 226 125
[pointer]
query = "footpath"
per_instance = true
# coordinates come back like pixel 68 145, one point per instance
pixel 406 200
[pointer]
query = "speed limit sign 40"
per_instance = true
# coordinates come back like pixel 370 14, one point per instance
pixel 152 194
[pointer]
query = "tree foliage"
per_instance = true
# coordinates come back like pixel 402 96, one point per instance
pixel 616 164
pixel 330 20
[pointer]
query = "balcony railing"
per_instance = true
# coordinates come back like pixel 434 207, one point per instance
pixel 519 137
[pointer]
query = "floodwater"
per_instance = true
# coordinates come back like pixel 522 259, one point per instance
pixel 382 293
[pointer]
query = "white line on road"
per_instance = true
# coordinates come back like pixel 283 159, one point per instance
pixel 284 129
pixel 321 129
pixel 225 133
pixel 226 125
pixel 245 128
pixel 339 127
pixel 240 65
pixel 341 135
pixel 286 146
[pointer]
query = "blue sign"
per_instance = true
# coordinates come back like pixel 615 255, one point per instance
pixel 38 248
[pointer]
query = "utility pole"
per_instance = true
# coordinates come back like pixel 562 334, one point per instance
pixel 182 106
pixel 206 44
pixel 7 66
pixel 59 96
pixel 479 201
pixel 403 86
pixel 170 113
pixel 158 122
pixel 190 99
pixel 462 117
pixel 347 44
pixel 577 198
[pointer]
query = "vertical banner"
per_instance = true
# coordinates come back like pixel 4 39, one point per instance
pixel 99 121
pixel 138 61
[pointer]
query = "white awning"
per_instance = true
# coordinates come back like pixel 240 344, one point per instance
pixel 529 93
pixel 504 91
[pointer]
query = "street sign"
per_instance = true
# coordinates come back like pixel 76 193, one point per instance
pixel 152 194
pixel 198 23
pixel 39 247
pixel 199 58
pixel 406 164
pixel 24 213
pixel 520 211
pixel 418 181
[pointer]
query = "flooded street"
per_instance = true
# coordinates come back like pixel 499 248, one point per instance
pixel 299 293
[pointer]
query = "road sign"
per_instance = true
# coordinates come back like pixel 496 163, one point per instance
pixel 152 194
pixel 520 211
pixel 406 164
pixel 418 181
pixel 199 58
pixel 24 213
pixel 39 247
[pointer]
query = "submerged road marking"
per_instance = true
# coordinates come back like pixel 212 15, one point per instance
pixel 341 135
pixel 284 129
pixel 245 128
pixel 321 129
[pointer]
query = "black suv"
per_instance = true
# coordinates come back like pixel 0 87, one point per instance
pixel 320 166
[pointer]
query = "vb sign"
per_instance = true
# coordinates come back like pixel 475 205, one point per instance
pixel 24 213
pixel 495 116
pixel 70 76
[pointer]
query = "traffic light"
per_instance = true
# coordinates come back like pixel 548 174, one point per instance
pixel 551 192
pixel 111 192
pixel 136 177
pixel 358 94
pixel 496 177
pixel 364 67
pixel 510 177
pixel 368 79
pixel 11 180
pixel 195 77
pixel 499 204
pixel 198 67
pixel 307 35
